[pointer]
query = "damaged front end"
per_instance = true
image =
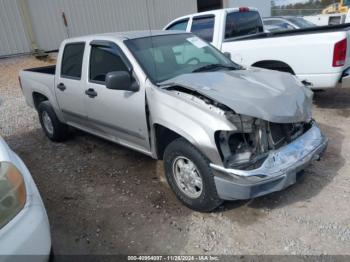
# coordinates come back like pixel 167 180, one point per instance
pixel 248 146
pixel 262 157
pixel 270 136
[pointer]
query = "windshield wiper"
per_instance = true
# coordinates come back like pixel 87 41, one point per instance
pixel 212 67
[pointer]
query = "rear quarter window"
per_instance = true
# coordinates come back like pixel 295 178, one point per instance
pixel 180 25
pixel 203 27
pixel 243 23
pixel 72 60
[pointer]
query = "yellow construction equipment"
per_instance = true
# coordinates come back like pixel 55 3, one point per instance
pixel 341 7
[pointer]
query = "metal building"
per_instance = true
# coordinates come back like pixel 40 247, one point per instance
pixel 29 25
pixel 26 25
pixel 13 37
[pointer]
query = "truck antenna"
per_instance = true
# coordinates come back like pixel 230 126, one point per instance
pixel 150 31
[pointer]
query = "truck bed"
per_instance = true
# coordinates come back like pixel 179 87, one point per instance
pixel 312 30
pixel 51 70
pixel 38 80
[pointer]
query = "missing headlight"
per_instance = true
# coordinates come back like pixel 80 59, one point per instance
pixel 247 147
pixel 240 150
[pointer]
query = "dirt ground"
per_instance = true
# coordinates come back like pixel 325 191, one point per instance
pixel 102 198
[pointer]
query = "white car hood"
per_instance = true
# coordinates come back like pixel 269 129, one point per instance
pixel 266 94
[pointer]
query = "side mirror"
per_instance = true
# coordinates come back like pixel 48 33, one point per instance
pixel 228 55
pixel 121 80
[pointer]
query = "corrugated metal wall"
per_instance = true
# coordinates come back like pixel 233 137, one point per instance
pixel 99 16
pixel 13 39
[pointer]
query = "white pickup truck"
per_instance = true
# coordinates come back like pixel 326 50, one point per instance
pixel 224 132
pixel 318 56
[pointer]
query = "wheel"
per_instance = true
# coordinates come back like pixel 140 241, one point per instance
pixel 190 176
pixel 53 128
pixel 52 255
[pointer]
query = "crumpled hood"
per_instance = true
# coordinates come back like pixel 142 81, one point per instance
pixel 266 94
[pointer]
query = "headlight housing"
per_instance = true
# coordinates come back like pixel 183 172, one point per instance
pixel 12 192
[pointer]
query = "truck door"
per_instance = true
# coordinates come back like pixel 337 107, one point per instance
pixel 117 114
pixel 68 84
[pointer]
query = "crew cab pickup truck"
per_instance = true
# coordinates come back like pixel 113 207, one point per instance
pixel 318 56
pixel 224 132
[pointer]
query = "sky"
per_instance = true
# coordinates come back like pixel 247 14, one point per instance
pixel 286 2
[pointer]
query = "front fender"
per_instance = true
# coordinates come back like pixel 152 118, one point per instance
pixel 189 120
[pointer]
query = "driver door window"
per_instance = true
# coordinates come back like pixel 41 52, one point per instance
pixel 104 60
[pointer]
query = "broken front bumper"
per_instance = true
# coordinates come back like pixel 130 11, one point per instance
pixel 280 169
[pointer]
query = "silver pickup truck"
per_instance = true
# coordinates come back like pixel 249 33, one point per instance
pixel 224 132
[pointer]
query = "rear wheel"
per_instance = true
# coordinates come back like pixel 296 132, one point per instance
pixel 54 129
pixel 190 176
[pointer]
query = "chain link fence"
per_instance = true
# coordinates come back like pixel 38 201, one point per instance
pixel 295 12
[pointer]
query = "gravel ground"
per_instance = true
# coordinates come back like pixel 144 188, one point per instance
pixel 102 198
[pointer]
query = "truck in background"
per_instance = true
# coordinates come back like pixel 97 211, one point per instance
pixel 318 56
pixel 327 19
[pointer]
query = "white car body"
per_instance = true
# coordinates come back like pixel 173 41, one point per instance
pixel 287 23
pixel 307 53
pixel 28 233
pixel 326 19
pixel 273 28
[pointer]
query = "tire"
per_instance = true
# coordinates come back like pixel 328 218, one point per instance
pixel 58 131
pixel 176 153
pixel 52 255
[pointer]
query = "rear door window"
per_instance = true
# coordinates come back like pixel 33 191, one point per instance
pixel 243 23
pixel 72 60
pixel 203 27
pixel 180 25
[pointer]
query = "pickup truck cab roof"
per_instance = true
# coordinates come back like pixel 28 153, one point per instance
pixel 120 36
pixel 212 12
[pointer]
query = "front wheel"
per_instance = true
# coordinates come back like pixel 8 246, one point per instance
pixel 190 176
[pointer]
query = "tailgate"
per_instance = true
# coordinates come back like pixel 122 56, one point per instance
pixel 347 60
pixel 345 80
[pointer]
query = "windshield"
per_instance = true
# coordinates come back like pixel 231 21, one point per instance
pixel 167 56
pixel 301 22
